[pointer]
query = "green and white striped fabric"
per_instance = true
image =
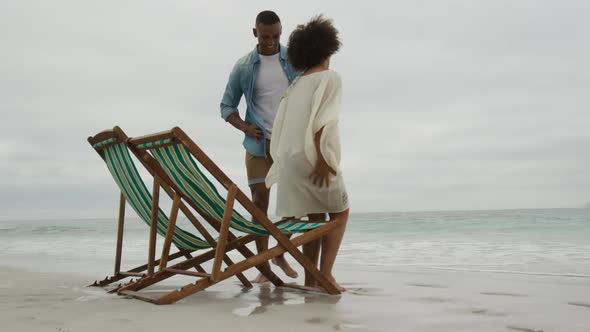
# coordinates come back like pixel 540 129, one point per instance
pixel 137 195
pixel 154 143
pixel 103 143
pixel 183 170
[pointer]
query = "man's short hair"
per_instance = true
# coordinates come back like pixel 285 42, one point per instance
pixel 267 17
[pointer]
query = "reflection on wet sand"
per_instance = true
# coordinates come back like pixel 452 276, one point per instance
pixel 269 296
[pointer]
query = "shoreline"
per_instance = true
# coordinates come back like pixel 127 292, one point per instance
pixel 272 217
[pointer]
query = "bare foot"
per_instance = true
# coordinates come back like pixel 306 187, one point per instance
pixel 260 279
pixel 340 288
pixel 281 262
pixel 312 284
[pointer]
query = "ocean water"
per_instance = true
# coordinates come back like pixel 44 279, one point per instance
pixel 539 242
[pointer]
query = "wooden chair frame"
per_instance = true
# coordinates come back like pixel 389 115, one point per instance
pixel 226 241
pixel 118 136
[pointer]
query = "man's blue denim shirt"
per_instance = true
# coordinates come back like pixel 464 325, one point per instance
pixel 241 82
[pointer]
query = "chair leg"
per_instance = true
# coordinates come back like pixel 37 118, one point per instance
pixel 153 225
pixel 212 241
pixel 120 234
pixel 170 232
pixel 220 250
pixel 220 253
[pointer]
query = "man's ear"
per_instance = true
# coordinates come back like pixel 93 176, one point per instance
pixel 255 32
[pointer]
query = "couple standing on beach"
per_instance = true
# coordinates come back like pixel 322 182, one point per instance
pixel 293 96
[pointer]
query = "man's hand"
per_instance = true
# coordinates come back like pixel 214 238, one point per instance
pixel 249 129
pixel 321 173
pixel 252 130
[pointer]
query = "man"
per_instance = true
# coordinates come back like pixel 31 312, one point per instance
pixel 261 76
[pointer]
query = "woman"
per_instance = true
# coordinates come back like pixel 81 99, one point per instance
pixel 305 145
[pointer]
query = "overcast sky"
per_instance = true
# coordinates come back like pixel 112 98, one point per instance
pixel 447 105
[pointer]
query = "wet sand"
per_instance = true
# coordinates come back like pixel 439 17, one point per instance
pixel 378 299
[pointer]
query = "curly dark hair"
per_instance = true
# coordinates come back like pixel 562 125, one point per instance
pixel 312 43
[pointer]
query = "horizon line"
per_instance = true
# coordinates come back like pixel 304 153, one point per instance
pixel 352 213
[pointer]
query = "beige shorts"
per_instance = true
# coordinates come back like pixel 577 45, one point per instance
pixel 257 167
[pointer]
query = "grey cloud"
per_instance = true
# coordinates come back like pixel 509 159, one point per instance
pixel 447 104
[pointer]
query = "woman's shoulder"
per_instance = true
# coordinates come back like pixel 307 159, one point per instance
pixel 332 78
pixel 324 74
pixel 329 73
pixel 325 79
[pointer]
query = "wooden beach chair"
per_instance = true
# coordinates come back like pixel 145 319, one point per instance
pixel 111 146
pixel 173 156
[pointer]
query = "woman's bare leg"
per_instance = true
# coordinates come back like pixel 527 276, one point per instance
pixel 331 245
pixel 312 249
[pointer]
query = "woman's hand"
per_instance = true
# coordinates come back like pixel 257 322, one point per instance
pixel 321 173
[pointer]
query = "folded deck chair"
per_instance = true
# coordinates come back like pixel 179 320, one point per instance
pixel 111 146
pixel 174 156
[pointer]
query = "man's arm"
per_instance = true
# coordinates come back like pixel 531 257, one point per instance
pixel 229 106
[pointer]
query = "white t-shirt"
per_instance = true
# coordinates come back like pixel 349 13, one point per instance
pixel 269 87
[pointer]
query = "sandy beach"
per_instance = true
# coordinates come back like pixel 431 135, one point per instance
pixel 378 299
